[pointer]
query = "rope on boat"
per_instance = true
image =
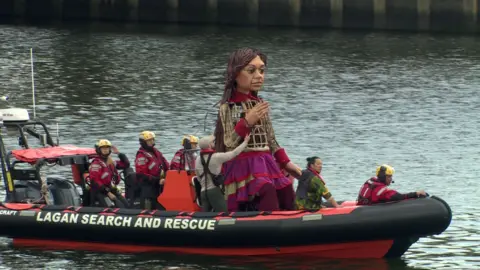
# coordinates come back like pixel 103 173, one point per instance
pixel 44 189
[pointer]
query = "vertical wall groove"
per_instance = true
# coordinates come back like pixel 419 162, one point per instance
pixel 423 9
pixel 336 9
pixel 379 10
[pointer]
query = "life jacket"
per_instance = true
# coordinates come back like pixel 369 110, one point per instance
pixel 183 160
pixel 103 173
pixel 150 163
pixel 304 183
pixel 370 191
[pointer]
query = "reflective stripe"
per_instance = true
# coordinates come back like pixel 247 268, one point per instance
pixel 151 165
pixel 141 161
pixel 105 174
pixel 381 191
pixel 365 193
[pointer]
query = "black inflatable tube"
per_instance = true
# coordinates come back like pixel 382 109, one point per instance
pixel 401 220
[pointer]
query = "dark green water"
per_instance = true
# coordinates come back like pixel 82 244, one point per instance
pixel 355 99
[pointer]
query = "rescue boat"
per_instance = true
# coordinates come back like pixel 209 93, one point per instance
pixel 51 213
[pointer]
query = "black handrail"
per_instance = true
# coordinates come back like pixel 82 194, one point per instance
pixel 4 158
pixel 21 126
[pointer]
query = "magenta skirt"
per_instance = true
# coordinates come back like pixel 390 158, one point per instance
pixel 246 175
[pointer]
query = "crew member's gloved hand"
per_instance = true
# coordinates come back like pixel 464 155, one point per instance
pixel 122 157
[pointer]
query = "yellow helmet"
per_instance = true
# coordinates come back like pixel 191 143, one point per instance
pixel 191 138
pixel 146 135
pixel 385 169
pixel 104 143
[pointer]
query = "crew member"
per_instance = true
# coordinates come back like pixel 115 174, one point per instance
pixel 375 190
pixel 104 175
pixel 184 159
pixel 151 168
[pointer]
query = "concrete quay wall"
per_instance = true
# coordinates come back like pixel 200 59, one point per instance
pixel 459 16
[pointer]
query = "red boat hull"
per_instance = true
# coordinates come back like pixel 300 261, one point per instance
pixel 378 231
pixel 367 249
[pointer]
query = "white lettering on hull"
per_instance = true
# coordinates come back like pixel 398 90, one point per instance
pixel 125 221
pixel 7 212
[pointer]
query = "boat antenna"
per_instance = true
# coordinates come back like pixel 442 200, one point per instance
pixel 58 136
pixel 33 82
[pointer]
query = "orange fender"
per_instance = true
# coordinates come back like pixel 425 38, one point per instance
pixel 178 193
